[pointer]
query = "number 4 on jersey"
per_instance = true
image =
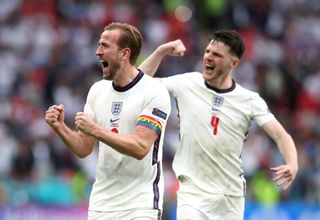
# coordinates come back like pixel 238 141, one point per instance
pixel 214 123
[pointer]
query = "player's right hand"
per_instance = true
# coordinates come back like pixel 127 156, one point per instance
pixel 173 48
pixel 55 115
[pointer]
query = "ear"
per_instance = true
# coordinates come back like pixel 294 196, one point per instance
pixel 126 52
pixel 234 62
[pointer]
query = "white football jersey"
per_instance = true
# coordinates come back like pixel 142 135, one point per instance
pixel 123 182
pixel 213 127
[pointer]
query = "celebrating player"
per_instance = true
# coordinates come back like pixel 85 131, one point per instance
pixel 127 113
pixel 215 115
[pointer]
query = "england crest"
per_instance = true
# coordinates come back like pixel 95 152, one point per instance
pixel 217 102
pixel 116 108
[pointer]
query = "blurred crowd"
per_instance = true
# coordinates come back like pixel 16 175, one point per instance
pixel 47 56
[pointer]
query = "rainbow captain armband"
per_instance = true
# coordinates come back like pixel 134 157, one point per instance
pixel 151 123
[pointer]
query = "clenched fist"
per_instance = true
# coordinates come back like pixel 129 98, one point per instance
pixel 85 124
pixel 54 116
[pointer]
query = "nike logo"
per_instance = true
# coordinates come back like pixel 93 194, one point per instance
pixel 114 120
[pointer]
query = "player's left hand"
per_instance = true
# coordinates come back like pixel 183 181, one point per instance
pixel 284 175
pixel 84 123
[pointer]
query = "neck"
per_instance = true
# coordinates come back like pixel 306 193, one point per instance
pixel 220 83
pixel 125 76
pixel 221 89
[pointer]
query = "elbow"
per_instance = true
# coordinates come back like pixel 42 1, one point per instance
pixel 141 154
pixel 83 154
pixel 138 157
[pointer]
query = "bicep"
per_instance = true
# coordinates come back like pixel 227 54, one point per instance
pixel 145 136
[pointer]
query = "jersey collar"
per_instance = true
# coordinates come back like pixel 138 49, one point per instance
pixel 221 90
pixel 130 85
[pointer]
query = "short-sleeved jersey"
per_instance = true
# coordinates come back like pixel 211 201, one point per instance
pixel 123 182
pixel 213 128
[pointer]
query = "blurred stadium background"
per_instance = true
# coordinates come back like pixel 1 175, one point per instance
pixel 47 55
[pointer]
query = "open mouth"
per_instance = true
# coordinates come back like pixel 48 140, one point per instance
pixel 104 63
pixel 209 67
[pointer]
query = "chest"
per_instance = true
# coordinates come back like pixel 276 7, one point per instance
pixel 117 110
pixel 206 110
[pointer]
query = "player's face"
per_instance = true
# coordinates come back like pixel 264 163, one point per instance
pixel 109 53
pixel 217 62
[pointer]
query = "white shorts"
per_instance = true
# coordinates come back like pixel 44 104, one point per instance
pixel 194 204
pixel 137 214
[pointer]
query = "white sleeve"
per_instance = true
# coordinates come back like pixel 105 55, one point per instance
pixel 89 105
pixel 261 112
pixel 156 112
pixel 174 83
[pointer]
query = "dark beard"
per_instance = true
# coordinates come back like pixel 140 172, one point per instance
pixel 113 69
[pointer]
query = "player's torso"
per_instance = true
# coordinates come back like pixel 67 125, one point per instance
pixel 121 178
pixel 119 111
pixel 218 120
pixel 213 127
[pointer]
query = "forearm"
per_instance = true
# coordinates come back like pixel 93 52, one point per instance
pixel 172 48
pixel 151 64
pixel 283 140
pixel 79 143
pixel 133 145
pixel 288 150
pixel 285 173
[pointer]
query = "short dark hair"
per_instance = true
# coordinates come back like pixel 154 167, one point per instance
pixel 130 38
pixel 232 39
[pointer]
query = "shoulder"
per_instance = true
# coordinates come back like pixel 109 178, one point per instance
pixel 153 90
pixel 98 86
pixel 184 78
pixel 101 84
pixel 150 80
pixel 152 83
pixel 153 87
pixel 188 75
pixel 239 89
pixel 248 97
